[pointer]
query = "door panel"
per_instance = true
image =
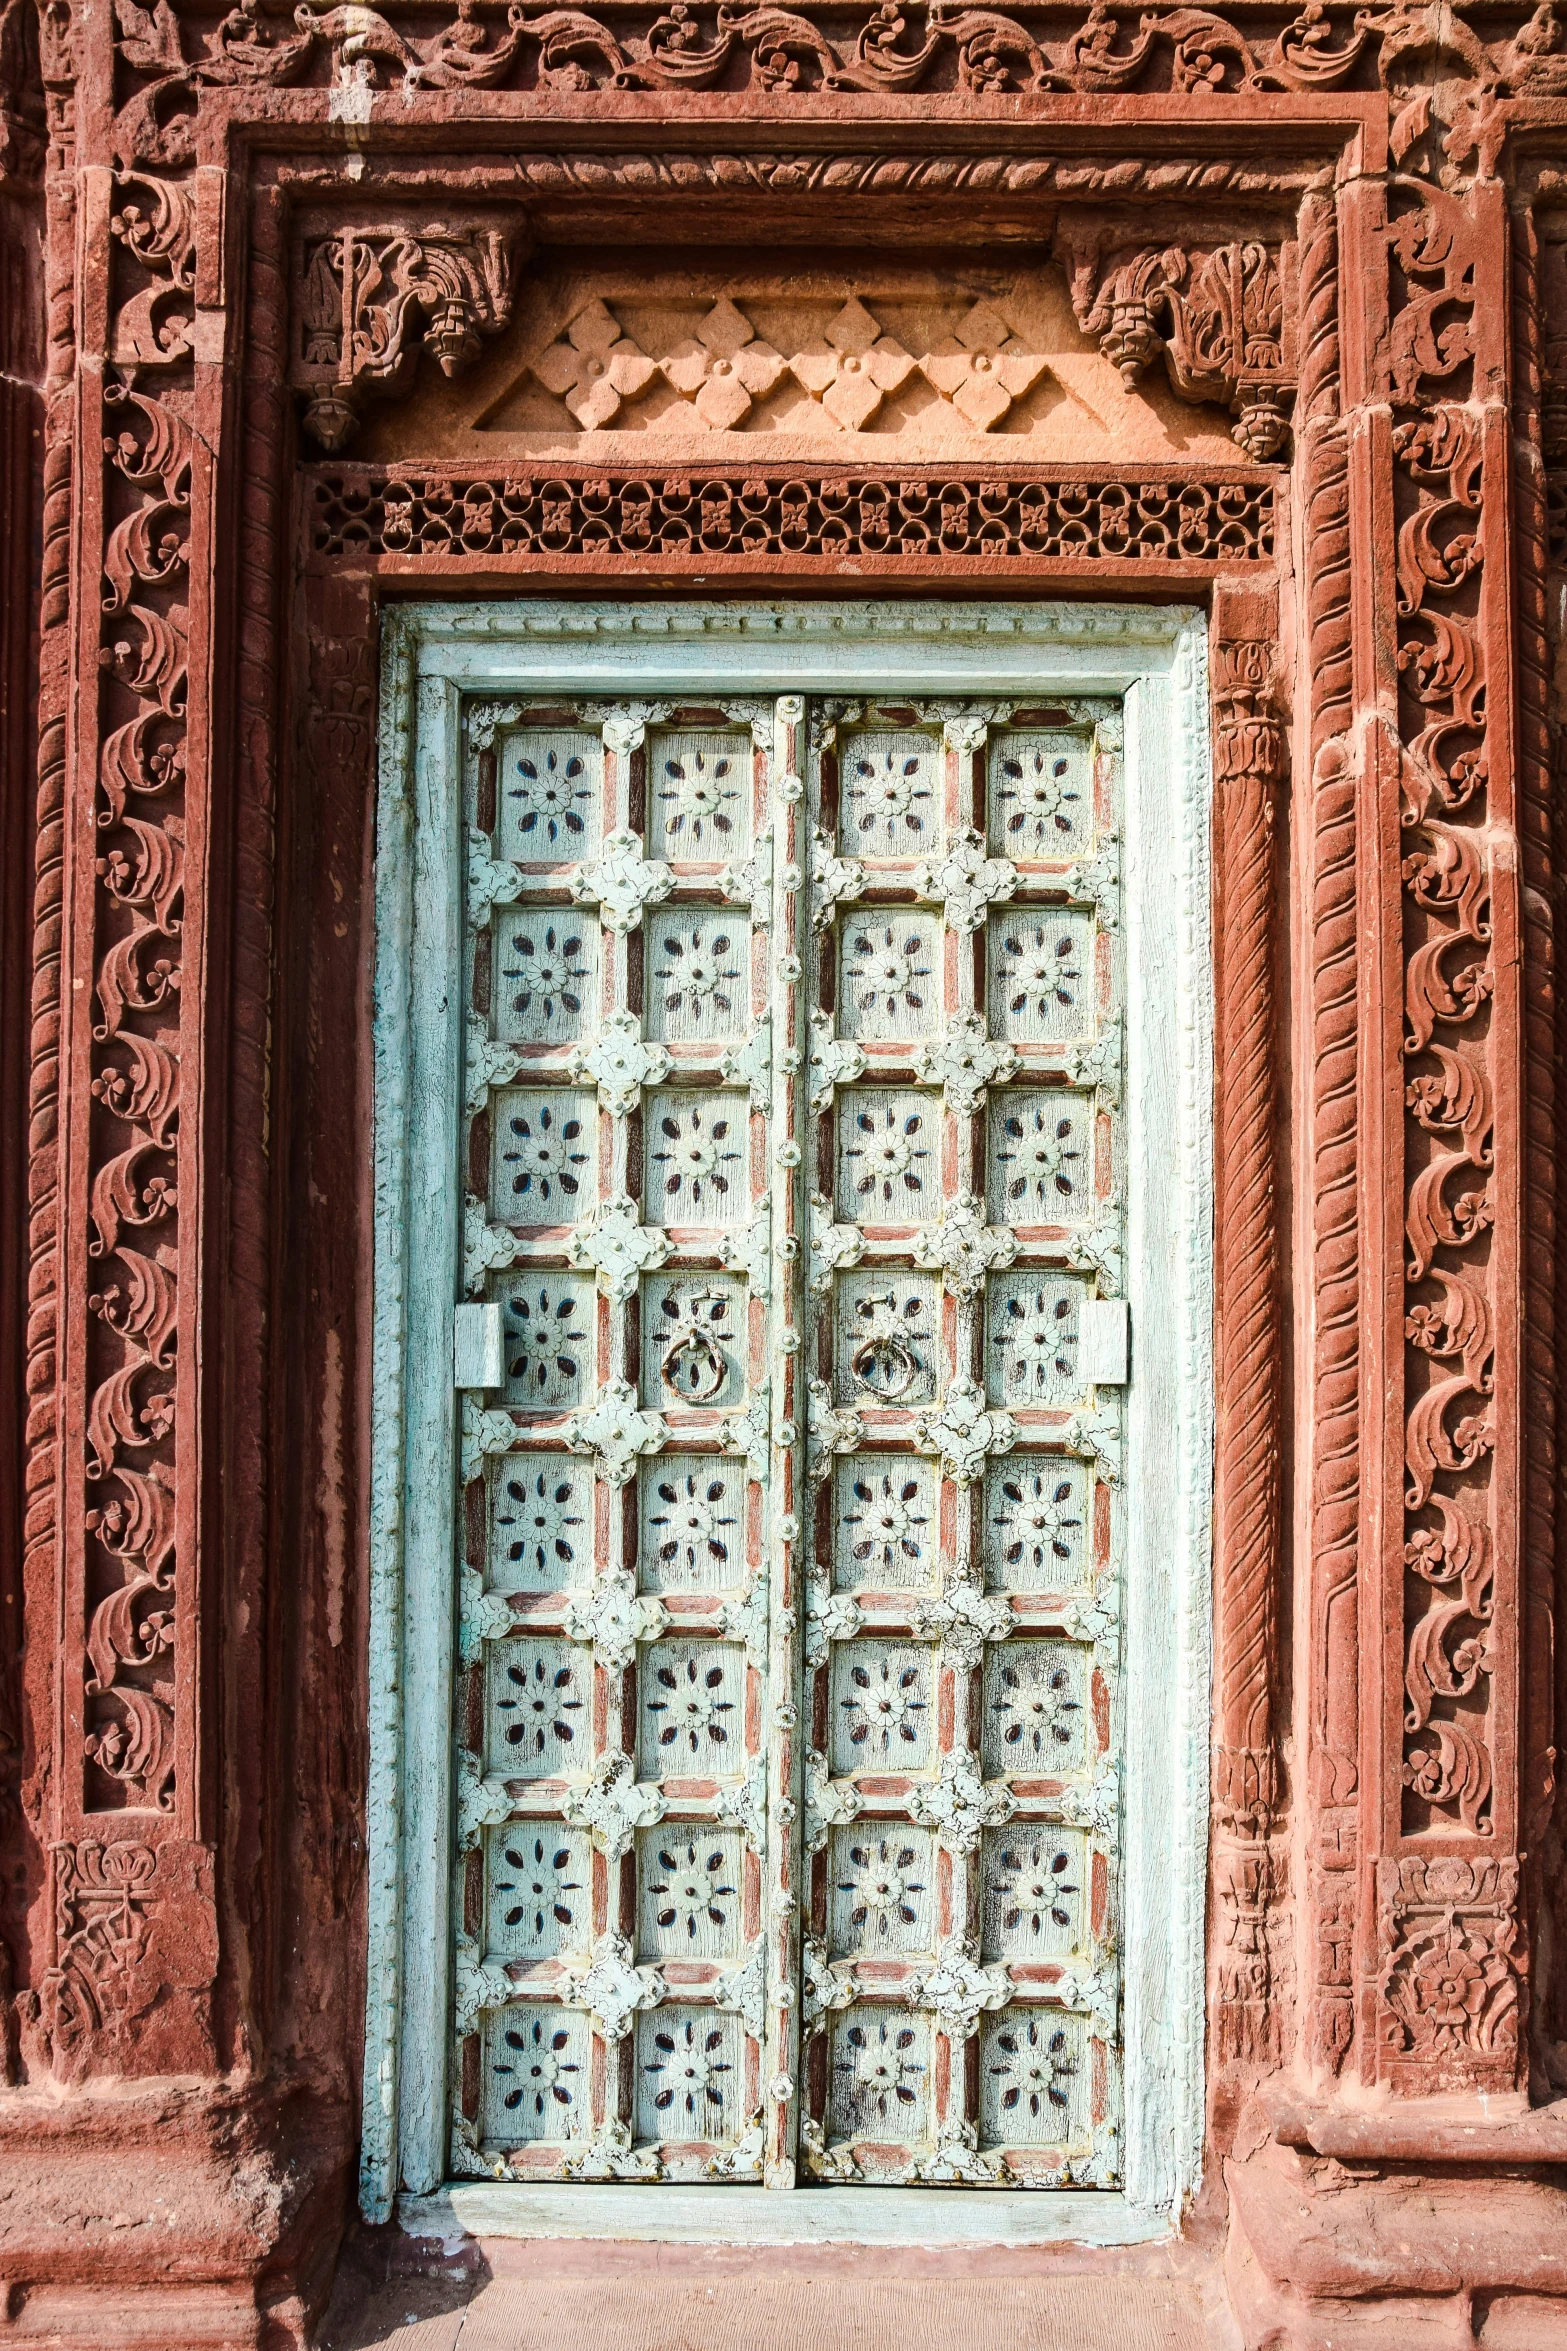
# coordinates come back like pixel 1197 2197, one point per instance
pixel 788 1813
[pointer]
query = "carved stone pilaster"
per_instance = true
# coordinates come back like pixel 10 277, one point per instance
pixel 369 297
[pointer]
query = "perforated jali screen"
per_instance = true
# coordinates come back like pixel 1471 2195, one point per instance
pixel 790 1597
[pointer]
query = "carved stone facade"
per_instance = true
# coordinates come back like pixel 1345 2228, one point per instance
pixel 305 310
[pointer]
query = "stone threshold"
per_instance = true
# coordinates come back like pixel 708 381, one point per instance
pixel 1413 2130
pixel 655 2215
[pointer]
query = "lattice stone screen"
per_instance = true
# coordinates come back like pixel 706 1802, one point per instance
pixel 793 1652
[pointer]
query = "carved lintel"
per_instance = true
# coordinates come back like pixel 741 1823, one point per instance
pixel 369 297
pixel 1220 314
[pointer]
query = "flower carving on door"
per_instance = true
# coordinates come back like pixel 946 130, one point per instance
pixel 697 970
pixel 1032 2065
pixel 549 794
pixel 694 1525
pixel 535 2070
pixel 696 1149
pixel 884 1707
pixel 1034 1887
pixel 881 2065
pixel 546 969
pixel 888 1153
pixel 541 1702
pixel 547 1340
pixel 692 1888
pixel 1040 791
pixel 693 1705
pixel 1036 1709
pixel 1041 969
pixel 699 789
pixel 882 1886
pixel 690 2069
pixel 887 968
pixel 888 783
pixel 1042 1149
pixel 537 1888
pixel 1037 1519
pixel 886 1522
pixel 1034 1337
pixel 544 1149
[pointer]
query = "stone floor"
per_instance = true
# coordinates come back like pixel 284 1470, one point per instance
pixel 606 2296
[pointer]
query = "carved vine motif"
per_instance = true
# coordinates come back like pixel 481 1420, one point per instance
pixel 131 1665
pixel 368 300
pixel 874 47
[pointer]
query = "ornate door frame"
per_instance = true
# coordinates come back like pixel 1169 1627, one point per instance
pixel 437 658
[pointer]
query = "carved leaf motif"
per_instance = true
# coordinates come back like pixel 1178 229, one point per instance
pixel 622 882
pixel 962 1247
pixel 961 1804
pixel 613 1990
pixel 614 1616
pixel 620 1064
pixel 964 1063
pixel 966 881
pixel 957 1988
pixel 615 1432
pixel 618 1246
pixel 613 1805
pixel 965 1432
pixel 833 1062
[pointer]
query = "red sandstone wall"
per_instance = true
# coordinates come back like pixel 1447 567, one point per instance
pixel 1337 238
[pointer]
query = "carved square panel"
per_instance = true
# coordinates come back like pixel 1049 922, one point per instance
pixel 542 1147
pixel 882 1700
pixel 889 792
pixel 884 1523
pixel 1037 1895
pixel 699 794
pixel 690 2075
pixel 551 794
pixel 889 974
pixel 541 1523
pixel 691 1704
pixel 545 975
pixel 886 1336
pixel 1041 1155
pixel 1040 791
pixel 547 1319
pixel 889 1155
pixel 539 1890
pixel 693 1340
pixel 690 1891
pixel 1041 983
pixel 696 1146
pixel 692 1527
pixel 538 1708
pixel 880 2070
pixel 881 1891
pixel 698 973
pixel 1035 2079
pixel 1035 1708
pixel 1031 1338
pixel 1037 1529
pixel 535 2076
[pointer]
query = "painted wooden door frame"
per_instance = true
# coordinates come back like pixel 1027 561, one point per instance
pixel 434 654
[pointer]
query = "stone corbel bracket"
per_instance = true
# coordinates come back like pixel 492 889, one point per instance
pixel 369 296
pixel 1222 313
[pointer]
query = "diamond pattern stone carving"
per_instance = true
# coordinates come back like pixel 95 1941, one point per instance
pixel 594 368
pixel 853 368
pixel 982 367
pixel 723 368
